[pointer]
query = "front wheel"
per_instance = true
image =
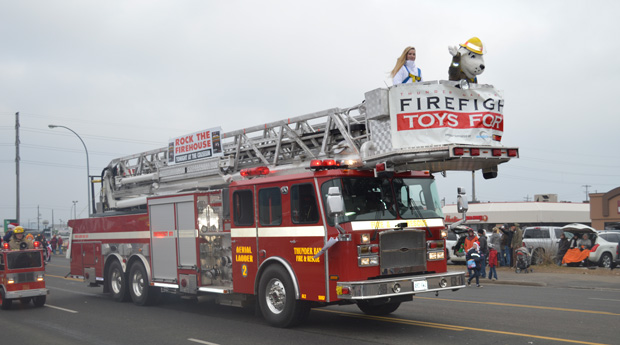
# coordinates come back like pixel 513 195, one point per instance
pixel 605 260
pixel 379 309
pixel 39 301
pixel 116 279
pixel 276 298
pixel 141 292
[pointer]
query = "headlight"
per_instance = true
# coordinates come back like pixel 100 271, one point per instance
pixel 365 238
pixel 435 255
pixel 368 261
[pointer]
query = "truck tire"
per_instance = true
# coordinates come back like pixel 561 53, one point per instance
pixel 39 301
pixel 117 282
pixel 538 256
pixel 605 260
pixel 276 298
pixel 378 309
pixel 6 303
pixel 139 288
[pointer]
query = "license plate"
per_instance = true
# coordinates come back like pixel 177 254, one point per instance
pixel 419 285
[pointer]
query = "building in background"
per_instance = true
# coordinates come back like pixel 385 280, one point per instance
pixel 605 209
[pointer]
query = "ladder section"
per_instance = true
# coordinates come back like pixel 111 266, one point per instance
pixel 281 145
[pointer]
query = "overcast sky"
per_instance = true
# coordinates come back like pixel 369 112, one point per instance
pixel 129 75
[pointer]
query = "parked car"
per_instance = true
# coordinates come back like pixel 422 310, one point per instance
pixel 604 243
pixel 543 240
pixel 616 257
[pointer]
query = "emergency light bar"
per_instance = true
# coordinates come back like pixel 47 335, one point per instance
pixel 258 171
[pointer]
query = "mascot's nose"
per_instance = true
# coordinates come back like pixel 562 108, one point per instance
pixel 482 67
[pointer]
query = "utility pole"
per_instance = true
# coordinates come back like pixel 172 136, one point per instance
pixel 473 187
pixel 586 186
pixel 38 218
pixel 17 167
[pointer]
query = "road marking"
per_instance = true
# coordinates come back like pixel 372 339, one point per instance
pixel 61 277
pixel 63 309
pixel 605 299
pixel 523 306
pixel 201 341
pixel 452 327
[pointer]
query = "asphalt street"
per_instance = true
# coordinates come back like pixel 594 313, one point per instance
pixel 520 312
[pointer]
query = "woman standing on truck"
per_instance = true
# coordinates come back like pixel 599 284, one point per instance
pixel 405 70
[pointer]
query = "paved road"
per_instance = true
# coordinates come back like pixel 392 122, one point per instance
pixel 495 314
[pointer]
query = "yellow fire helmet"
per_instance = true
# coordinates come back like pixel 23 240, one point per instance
pixel 18 230
pixel 474 45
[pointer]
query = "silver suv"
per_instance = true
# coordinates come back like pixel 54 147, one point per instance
pixel 543 240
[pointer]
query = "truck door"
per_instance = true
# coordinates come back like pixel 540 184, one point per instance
pixel 289 227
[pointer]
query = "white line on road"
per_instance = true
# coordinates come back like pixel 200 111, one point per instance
pixel 201 341
pixel 605 299
pixel 63 309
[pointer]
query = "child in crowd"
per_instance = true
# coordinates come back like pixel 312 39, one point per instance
pixel 492 261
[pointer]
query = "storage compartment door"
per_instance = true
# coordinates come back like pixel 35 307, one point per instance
pixel 188 235
pixel 163 237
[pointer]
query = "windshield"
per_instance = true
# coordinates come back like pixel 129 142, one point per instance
pixel 368 198
pixel 417 198
pixel 365 198
pixel 19 259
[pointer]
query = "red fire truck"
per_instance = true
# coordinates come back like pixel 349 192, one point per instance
pixel 311 211
pixel 22 276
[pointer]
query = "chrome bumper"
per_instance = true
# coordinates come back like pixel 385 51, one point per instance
pixel 400 286
pixel 26 293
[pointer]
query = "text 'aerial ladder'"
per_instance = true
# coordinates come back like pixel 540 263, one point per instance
pixel 435 126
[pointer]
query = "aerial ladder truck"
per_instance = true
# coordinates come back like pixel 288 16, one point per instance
pixel 334 207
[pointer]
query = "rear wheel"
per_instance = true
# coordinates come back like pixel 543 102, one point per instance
pixel 39 301
pixel 538 256
pixel 379 309
pixel 116 279
pixel 5 303
pixel 276 298
pixel 605 260
pixel 141 292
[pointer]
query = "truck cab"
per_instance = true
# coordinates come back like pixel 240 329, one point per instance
pixel 22 276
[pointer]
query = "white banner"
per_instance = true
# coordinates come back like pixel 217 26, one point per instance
pixel 195 146
pixel 423 115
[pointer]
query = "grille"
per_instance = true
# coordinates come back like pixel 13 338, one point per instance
pixel 402 251
pixel 26 277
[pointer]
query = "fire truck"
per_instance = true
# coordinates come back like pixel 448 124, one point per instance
pixel 329 208
pixel 22 276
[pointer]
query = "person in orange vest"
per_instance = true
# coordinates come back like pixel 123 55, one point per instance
pixel 470 239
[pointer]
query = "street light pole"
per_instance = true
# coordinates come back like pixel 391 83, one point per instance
pixel 75 209
pixel 87 164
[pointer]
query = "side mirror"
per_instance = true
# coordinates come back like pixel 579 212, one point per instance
pixel 335 204
pixel 461 201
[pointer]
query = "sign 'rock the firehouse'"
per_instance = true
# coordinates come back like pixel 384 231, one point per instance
pixel 195 146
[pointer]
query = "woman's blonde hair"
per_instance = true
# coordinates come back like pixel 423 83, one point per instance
pixel 401 61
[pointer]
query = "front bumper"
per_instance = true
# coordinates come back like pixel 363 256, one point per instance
pixel 26 293
pixel 400 286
